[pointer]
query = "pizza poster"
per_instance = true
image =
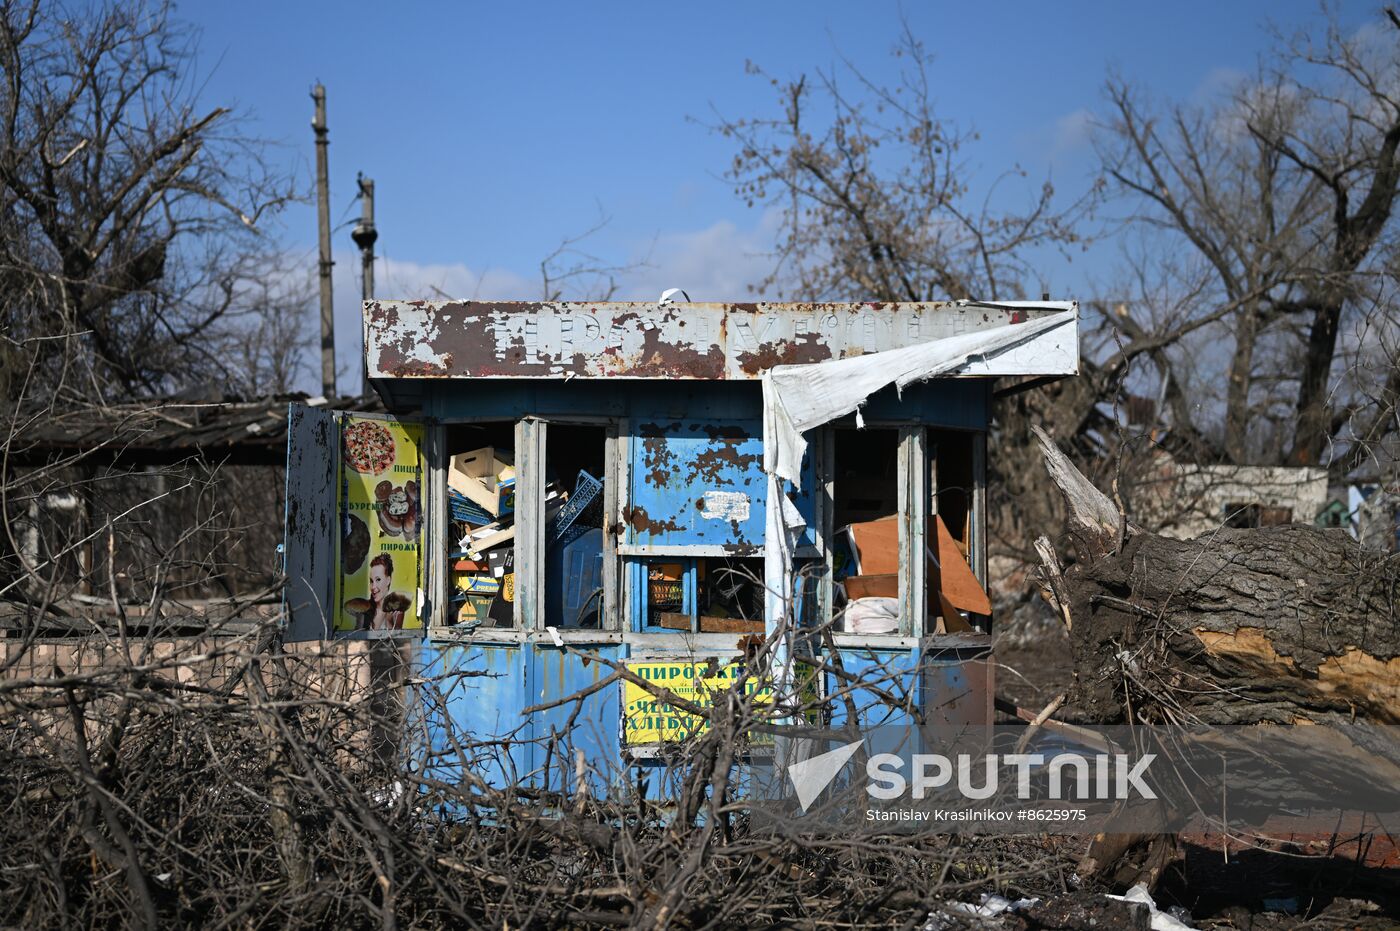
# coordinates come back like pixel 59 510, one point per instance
pixel 381 481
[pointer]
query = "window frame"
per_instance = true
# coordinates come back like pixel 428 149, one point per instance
pixel 915 493
pixel 531 457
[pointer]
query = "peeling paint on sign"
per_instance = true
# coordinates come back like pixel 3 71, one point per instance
pixel 725 505
pixel 479 339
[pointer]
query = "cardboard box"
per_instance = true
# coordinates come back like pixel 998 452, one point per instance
pixel 487 477
pixel 885 585
pixel 875 548
pixel 502 610
pixel 483 584
pixel 479 541
pixel 475 610
pixel 953 578
pixel 712 625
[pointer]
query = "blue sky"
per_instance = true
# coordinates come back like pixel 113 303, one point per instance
pixel 493 130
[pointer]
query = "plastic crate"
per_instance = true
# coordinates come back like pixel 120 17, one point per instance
pixel 583 510
pixel 665 594
pixel 466 510
pixel 574 578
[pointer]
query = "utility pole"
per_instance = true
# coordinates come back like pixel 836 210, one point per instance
pixel 323 216
pixel 365 235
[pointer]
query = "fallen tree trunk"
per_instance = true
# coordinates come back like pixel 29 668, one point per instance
pixel 1271 626
pixel 1282 625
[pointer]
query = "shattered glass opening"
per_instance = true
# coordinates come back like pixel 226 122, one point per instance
pixel 865 546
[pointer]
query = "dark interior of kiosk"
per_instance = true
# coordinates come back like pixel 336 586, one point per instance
pixel 703 594
pixel 481 545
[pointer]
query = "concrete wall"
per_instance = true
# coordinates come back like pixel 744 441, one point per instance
pixel 1201 496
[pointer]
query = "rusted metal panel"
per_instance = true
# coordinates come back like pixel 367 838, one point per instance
pixel 309 545
pixel 474 339
pixel 701 483
pixel 959 679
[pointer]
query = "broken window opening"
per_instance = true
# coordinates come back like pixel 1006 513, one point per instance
pixel 707 595
pixel 954 482
pixel 957 602
pixel 483 548
pixel 868 559
pixel 729 595
pixel 480 520
pixel 865 551
pixel 1240 515
pixel 576 471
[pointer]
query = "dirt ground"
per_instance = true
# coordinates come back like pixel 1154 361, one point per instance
pixel 1032 651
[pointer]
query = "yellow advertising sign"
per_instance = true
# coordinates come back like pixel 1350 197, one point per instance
pixel 647 719
pixel 381 517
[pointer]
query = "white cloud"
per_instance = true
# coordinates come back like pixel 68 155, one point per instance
pixel 718 263
pixel 1217 84
pixel 1072 132
pixel 406 280
pixel 415 281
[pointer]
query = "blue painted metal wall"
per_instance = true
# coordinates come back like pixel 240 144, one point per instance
pixel 482 691
pixel 591 726
pixel 886 677
pixel 701 482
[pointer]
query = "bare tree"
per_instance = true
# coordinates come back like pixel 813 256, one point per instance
pixel 878 203
pixel 1252 313
pixel 570 272
pixel 133 264
pixel 1278 202
pixel 875 194
pixel 230 781
pixel 267 350
pixel 126 210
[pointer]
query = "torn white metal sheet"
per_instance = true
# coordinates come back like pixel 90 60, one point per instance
pixel 797 398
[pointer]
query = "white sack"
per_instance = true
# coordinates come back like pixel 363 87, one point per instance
pixel 872 616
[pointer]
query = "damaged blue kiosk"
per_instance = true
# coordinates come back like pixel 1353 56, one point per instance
pixel 646 483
